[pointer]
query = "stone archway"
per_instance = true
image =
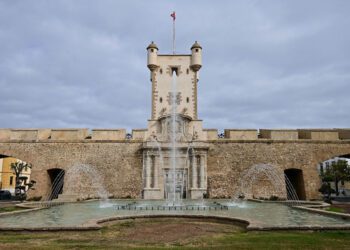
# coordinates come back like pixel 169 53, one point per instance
pixel 56 177
pixel 295 176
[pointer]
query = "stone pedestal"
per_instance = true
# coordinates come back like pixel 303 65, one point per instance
pixel 197 193
pixel 152 194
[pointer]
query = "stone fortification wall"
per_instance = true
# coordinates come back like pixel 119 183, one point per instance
pixel 119 160
pixel 288 134
pixel 228 159
pixel 67 134
pixel 118 163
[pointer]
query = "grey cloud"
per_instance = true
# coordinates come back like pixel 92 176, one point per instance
pixel 265 64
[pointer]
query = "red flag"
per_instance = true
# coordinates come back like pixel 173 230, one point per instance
pixel 173 15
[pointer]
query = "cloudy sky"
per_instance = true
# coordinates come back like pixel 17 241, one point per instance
pixel 266 64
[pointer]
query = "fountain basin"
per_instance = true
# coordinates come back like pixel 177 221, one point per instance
pixel 88 215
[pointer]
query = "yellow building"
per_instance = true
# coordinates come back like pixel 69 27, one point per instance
pixel 0 173
pixel 7 177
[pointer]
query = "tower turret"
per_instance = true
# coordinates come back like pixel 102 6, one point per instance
pixel 152 56
pixel 196 58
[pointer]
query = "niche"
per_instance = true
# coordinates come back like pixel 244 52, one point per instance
pixel 174 69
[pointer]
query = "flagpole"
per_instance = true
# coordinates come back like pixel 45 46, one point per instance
pixel 174 35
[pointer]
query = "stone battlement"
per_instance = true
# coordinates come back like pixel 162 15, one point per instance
pixel 73 134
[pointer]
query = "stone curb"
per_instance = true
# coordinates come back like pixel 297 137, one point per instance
pixel 328 213
pixel 20 212
pixel 299 228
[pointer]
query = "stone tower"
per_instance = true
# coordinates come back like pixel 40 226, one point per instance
pixel 191 148
pixel 186 68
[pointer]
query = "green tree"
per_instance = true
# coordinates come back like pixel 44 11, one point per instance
pixel 336 172
pixel 21 187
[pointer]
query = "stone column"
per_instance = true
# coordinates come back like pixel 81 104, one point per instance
pixel 194 171
pixel 155 171
pixel 148 171
pixel 202 171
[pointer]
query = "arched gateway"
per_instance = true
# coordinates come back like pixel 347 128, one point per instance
pixel 295 177
pixel 56 176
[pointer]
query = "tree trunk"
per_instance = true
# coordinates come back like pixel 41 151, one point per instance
pixel 336 182
pixel 17 187
pixel 329 191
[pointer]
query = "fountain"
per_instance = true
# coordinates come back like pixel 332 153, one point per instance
pixel 82 181
pixel 173 138
pixel 282 187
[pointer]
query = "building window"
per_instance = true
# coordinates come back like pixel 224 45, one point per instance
pixel 11 180
pixel 327 166
pixel 152 50
pixel 196 50
pixel 321 168
pixel 187 71
pixel 160 100
pixel 161 71
pixel 187 99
